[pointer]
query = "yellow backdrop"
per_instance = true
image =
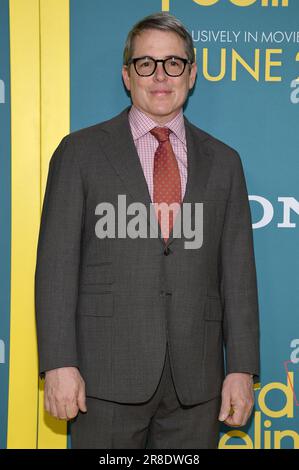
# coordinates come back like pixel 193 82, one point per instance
pixel 40 117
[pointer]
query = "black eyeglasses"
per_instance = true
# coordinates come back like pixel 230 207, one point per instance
pixel 146 66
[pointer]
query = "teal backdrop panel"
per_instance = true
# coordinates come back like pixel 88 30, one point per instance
pixel 257 114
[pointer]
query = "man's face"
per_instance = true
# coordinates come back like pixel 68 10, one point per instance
pixel 159 96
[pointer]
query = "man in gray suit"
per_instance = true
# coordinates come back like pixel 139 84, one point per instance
pixel 131 329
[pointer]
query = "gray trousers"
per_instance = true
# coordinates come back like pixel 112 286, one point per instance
pixel 162 422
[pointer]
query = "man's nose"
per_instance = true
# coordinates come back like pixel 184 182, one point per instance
pixel 160 72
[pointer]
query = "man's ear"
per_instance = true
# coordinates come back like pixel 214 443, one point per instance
pixel 126 77
pixel 193 73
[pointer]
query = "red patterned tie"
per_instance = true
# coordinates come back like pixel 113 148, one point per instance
pixel 167 181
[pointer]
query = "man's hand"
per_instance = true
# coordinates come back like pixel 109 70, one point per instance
pixel 64 392
pixel 237 399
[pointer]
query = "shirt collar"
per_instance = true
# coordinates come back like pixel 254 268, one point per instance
pixel 141 124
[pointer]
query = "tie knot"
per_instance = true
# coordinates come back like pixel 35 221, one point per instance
pixel 161 133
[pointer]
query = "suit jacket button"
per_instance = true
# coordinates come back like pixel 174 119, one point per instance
pixel 167 251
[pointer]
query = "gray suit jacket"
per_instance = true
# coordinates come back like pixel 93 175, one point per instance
pixel 108 306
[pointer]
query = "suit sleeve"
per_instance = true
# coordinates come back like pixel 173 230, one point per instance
pixel 58 260
pixel 238 281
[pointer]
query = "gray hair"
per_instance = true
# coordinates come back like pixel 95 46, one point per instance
pixel 164 22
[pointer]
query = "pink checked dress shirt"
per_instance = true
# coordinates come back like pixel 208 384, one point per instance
pixel 146 144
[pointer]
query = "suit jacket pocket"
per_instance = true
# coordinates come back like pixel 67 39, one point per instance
pixel 213 309
pixel 98 305
pixel 97 273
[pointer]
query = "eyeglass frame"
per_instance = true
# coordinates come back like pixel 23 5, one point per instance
pixel 134 60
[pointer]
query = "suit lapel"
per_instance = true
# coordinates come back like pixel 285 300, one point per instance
pixel 120 150
pixel 119 147
pixel 199 161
